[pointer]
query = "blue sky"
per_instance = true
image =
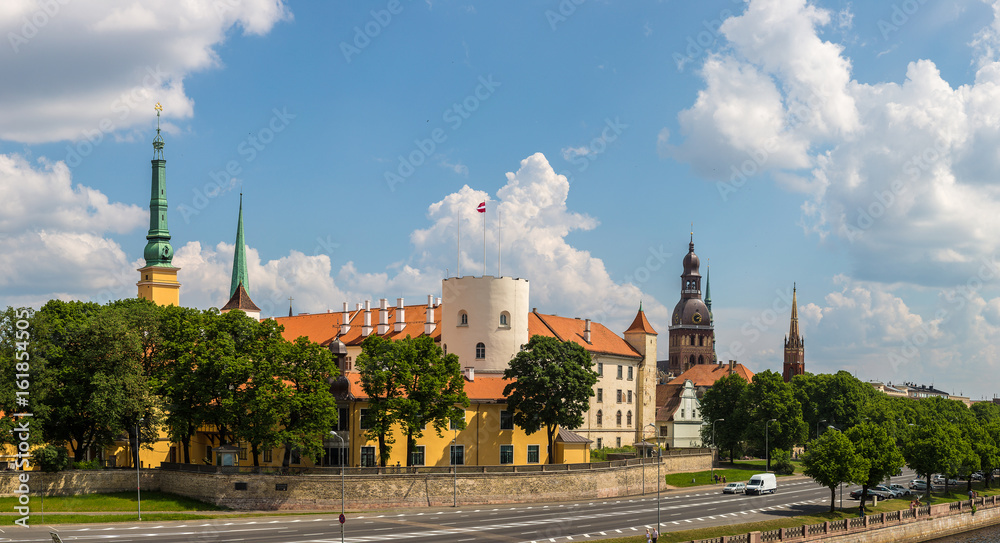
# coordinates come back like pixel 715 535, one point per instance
pixel 864 136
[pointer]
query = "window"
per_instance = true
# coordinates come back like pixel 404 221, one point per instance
pixel 243 450
pixel 506 454
pixel 600 418
pixel 366 420
pixel 296 456
pixel 453 425
pixel 368 457
pixel 600 395
pixel 505 319
pixel 600 369
pixel 445 348
pixel 618 419
pixel 682 412
pixel 463 318
pixel 480 351
pixel 664 430
pixel 628 419
pixel 630 396
pixel 458 455
pixel 335 456
pixel 600 443
pixel 630 368
pixel 618 442
pixel 619 372
pixel 619 400
pixel 342 420
pixel 506 420
pixel 418 456
pixel 532 454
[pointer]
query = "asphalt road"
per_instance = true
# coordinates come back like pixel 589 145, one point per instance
pixel 555 523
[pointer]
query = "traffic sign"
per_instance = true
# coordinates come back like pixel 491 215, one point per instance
pixel 343 519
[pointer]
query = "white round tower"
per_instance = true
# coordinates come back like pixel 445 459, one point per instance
pixel 484 320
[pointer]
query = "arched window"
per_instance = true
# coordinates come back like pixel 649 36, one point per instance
pixel 701 341
pixel 692 360
pixel 480 351
pixel 463 318
pixel 600 417
pixel 701 360
pixel 628 419
pixel 618 418
pixel 692 340
pixel 505 319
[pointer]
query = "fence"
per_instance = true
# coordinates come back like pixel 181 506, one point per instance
pixel 817 532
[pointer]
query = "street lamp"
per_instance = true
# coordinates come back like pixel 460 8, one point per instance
pixel 656 433
pixel 336 435
pixel 817 427
pixel 767 449
pixel 454 468
pixel 715 446
pixel 138 484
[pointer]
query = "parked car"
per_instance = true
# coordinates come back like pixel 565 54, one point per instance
pixel 920 485
pixel 882 494
pixel 734 488
pixel 900 490
pixel 888 490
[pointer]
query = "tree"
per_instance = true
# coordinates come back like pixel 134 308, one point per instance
pixel 554 381
pixel 185 390
pixel 306 368
pixel 841 399
pixel 382 376
pixel 932 448
pixel 832 460
pixel 879 450
pixel 722 401
pixel 434 389
pixel 988 415
pixel 769 398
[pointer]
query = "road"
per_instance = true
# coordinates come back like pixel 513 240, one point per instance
pixel 555 523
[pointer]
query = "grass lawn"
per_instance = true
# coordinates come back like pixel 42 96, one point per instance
pixel 734 472
pixel 109 503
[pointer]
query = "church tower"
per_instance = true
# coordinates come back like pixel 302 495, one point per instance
pixel 795 351
pixel 692 335
pixel 238 297
pixel 158 278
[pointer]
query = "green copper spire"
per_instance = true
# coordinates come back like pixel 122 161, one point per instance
pixel 240 257
pixel 708 290
pixel 158 251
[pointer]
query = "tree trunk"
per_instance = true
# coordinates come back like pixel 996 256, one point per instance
pixel 256 459
pixel 551 430
pixel 928 496
pixel 186 442
pixel 864 494
pixel 287 460
pixel 411 445
pixel 833 499
pixel 383 455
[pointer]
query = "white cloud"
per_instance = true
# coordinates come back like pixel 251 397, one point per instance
pixel 573 152
pixel 121 60
pixel 901 174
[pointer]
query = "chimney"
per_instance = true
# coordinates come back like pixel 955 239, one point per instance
pixel 383 316
pixel 345 321
pixel 586 330
pixel 470 373
pixel 732 365
pixel 400 316
pixel 429 324
pixel 437 301
pixel 366 329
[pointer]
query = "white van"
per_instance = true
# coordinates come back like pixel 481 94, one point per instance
pixel 762 483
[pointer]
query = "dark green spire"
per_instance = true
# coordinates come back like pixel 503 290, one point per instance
pixel 708 290
pixel 158 251
pixel 240 257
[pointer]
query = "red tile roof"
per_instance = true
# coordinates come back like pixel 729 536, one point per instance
pixel 602 340
pixel 640 324
pixel 479 389
pixel 705 375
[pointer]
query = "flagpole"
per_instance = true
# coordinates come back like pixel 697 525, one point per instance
pixel 499 243
pixel 459 274
pixel 484 242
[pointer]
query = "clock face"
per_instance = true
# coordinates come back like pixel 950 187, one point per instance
pixel 696 318
pixel 677 318
pixel 166 252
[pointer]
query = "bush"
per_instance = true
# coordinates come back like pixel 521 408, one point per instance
pixel 51 458
pixel 781 462
pixel 90 464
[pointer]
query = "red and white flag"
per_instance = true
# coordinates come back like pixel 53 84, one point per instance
pixel 482 207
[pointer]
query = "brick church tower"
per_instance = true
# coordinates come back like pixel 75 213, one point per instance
pixel 795 351
pixel 692 335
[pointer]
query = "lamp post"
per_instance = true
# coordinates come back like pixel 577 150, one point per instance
pixel 656 434
pixel 336 435
pixel 138 484
pixel 767 449
pixel 817 427
pixel 716 447
pixel 454 468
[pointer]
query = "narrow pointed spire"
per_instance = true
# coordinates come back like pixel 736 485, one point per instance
pixel 793 328
pixel 708 290
pixel 240 275
pixel 158 251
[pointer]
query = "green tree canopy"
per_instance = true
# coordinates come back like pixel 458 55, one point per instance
pixel 306 368
pixel 554 381
pixel 775 415
pixel 832 460
pixel 382 376
pixel 879 449
pixel 723 401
